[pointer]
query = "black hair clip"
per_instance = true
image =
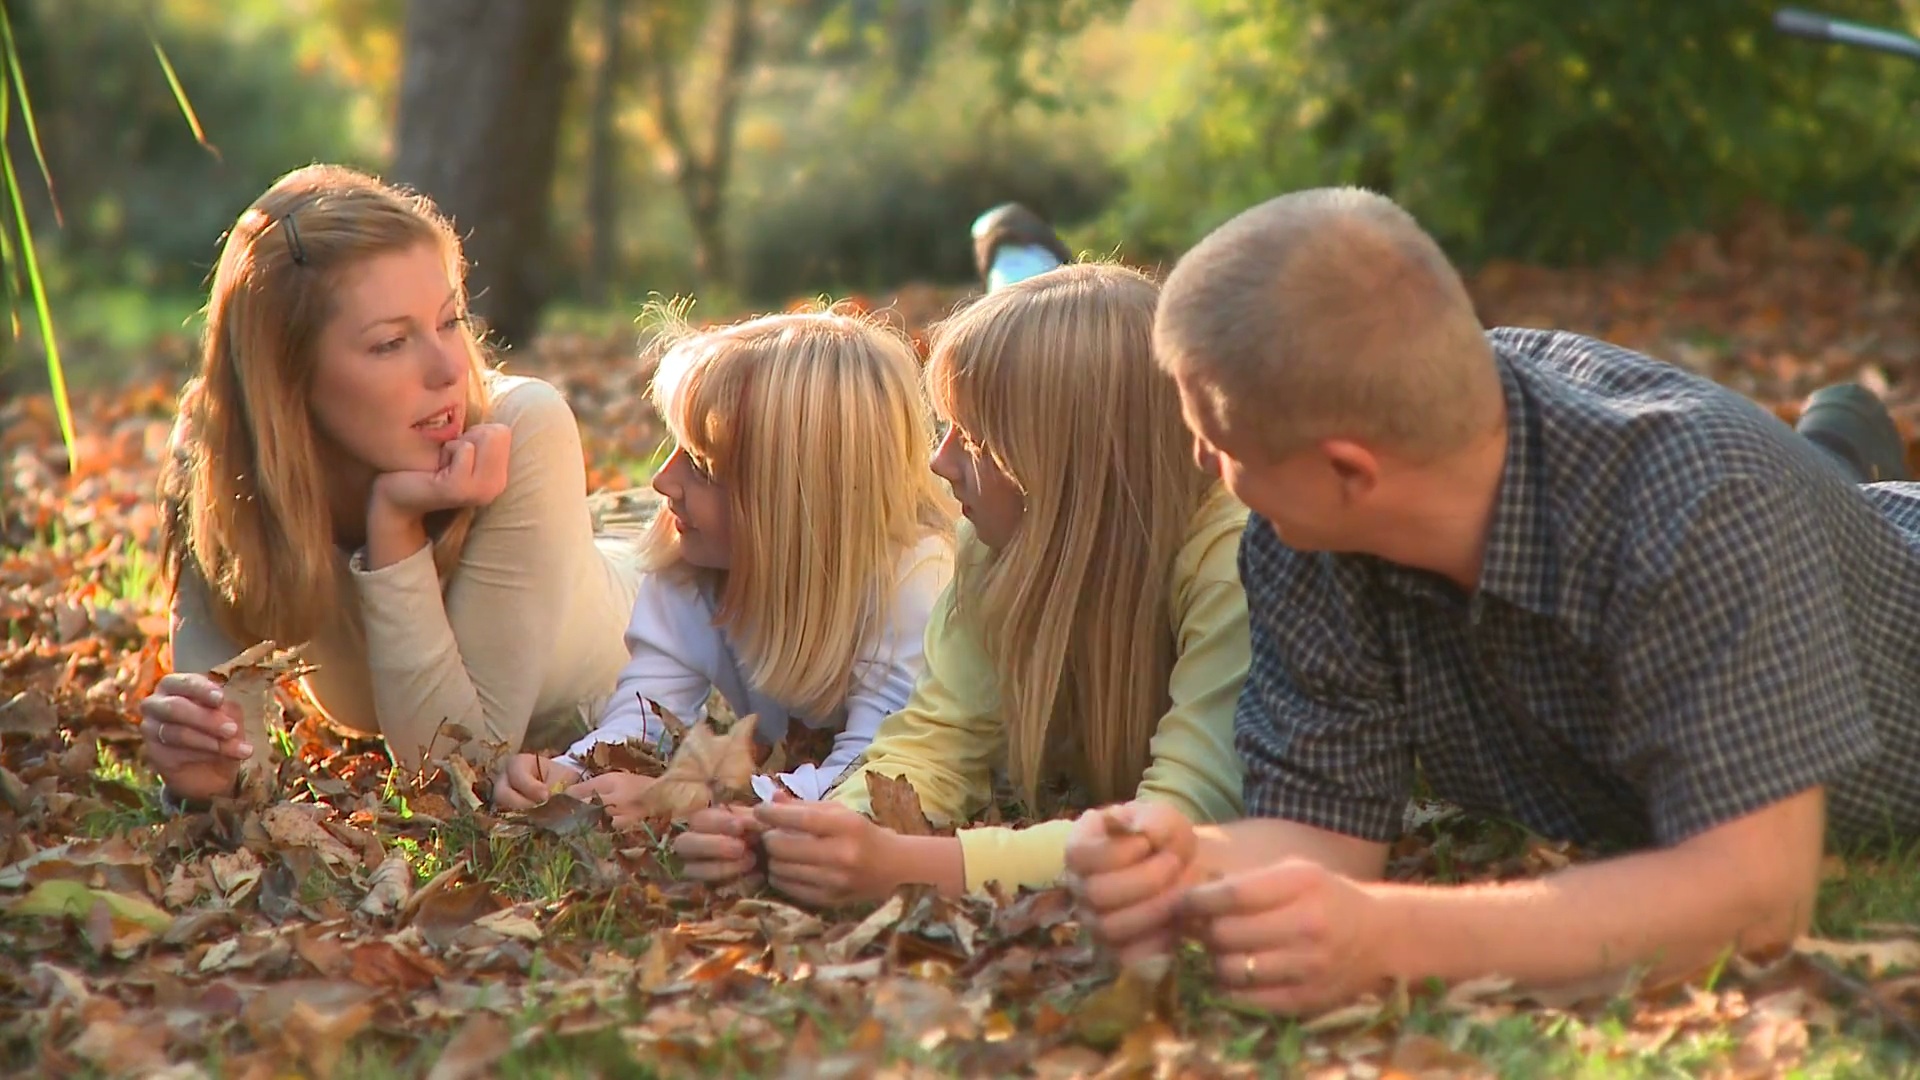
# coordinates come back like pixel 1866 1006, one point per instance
pixel 294 246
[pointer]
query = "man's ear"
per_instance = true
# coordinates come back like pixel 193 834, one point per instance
pixel 1356 467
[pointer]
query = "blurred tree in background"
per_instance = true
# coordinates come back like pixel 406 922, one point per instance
pixel 1563 133
pixel 752 150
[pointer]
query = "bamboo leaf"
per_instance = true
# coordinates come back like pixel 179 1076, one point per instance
pixel 56 376
pixel 180 98
pixel 19 81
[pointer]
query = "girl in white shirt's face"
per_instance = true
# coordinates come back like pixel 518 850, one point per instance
pixel 697 510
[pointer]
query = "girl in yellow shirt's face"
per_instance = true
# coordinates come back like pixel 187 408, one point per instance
pixel 988 496
pixel 1074 466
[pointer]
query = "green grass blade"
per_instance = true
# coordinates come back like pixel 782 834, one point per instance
pixel 26 111
pixel 55 375
pixel 180 98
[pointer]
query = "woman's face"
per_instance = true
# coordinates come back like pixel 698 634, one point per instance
pixel 988 496
pixel 698 510
pixel 390 382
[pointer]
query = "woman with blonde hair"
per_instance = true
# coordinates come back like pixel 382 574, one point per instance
pixel 347 474
pixel 803 544
pixel 1094 640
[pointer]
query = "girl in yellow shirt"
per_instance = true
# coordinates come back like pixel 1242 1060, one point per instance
pixel 1094 639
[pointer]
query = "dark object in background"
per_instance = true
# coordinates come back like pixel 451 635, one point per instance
pixel 1013 226
pixel 1850 422
pixel 482 84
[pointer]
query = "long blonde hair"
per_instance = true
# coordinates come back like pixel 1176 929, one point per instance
pixel 244 493
pixel 815 425
pixel 1054 376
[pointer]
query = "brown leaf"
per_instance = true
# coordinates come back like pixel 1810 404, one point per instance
pixel 896 805
pixel 564 815
pixel 1416 1055
pixel 481 1042
pixel 28 713
pixel 235 874
pixel 317 1037
pixel 124 1049
pixel 389 887
pixel 465 784
pixel 298 825
pixel 845 948
pixel 445 913
pixel 633 756
pixel 706 767
pixel 1141 993
pixel 386 965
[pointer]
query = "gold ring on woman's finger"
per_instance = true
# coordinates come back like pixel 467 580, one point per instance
pixel 1249 968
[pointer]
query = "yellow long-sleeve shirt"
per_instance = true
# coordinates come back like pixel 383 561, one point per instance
pixel 949 737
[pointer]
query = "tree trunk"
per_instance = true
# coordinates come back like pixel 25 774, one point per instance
pixel 703 178
pixel 603 155
pixel 481 86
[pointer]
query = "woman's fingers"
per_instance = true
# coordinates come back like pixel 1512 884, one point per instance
pixel 182 712
pixel 167 759
pixel 195 688
pixel 184 737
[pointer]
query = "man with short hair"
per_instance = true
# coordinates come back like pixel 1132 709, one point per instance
pixel 1564 582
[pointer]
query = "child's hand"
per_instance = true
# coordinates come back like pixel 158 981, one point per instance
pixel 1129 866
pixel 718 844
pixel 529 780
pixel 825 853
pixel 621 792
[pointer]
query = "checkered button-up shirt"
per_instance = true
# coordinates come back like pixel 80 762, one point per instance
pixel 1685 613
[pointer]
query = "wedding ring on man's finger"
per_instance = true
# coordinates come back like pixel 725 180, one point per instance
pixel 160 736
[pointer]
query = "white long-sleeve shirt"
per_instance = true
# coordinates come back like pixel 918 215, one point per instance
pixel 678 656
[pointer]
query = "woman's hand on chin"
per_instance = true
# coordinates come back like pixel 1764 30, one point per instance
pixel 192 738
pixel 472 472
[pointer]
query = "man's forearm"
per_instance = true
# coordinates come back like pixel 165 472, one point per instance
pixel 1749 884
pixel 1253 843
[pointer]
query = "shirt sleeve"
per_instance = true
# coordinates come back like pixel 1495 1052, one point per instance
pixel 1320 726
pixel 1733 664
pixel 885 673
pixel 199 645
pixel 1193 768
pixel 669 635
pixel 948 737
pixel 476 657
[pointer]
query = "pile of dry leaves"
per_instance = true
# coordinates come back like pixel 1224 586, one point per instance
pixel 340 912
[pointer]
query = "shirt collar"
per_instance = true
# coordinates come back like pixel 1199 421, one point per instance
pixel 1519 564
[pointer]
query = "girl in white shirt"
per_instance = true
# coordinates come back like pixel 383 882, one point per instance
pixel 793 567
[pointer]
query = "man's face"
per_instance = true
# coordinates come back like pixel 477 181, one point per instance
pixel 1308 496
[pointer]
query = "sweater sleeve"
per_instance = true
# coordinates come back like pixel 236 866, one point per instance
pixel 476 657
pixel 199 645
pixel 947 738
pixel 671 644
pixel 1194 767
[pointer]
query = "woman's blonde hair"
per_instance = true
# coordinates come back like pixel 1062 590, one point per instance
pixel 244 493
pixel 814 424
pixel 1054 377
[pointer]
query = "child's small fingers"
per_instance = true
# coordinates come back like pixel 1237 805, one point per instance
pixel 707 847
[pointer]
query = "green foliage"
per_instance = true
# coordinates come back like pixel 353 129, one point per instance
pixel 1542 131
pixel 144 201
pixel 861 197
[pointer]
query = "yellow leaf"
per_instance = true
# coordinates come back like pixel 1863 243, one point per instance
pixel 58 898
pixel 706 766
pixel 1879 956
